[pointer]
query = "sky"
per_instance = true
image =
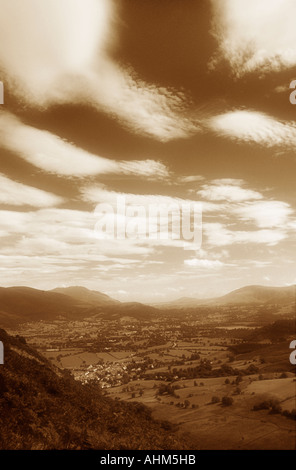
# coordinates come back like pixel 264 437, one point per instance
pixel 159 103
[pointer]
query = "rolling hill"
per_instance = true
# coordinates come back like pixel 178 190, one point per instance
pixel 19 304
pixel 248 295
pixel 24 304
pixel 259 295
pixel 83 294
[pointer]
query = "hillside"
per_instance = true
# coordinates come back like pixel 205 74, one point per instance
pixel 248 295
pixel 23 304
pixel 130 309
pixel 259 295
pixel 278 331
pixel 19 304
pixel 83 294
pixel 44 408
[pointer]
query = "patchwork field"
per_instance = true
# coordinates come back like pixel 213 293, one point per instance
pixel 210 425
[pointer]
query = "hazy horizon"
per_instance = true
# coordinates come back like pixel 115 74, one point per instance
pixel 147 300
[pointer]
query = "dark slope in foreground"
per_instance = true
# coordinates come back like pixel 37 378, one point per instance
pixel 44 408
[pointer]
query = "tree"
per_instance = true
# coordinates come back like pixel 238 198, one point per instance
pixel 227 401
pixel 215 399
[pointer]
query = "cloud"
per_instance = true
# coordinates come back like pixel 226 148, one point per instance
pixel 54 155
pixel 243 207
pixel 17 194
pixel 52 40
pixel 157 219
pixel 147 109
pixel 218 234
pixel 58 54
pixel 227 190
pixel 101 194
pixel 189 179
pixel 203 263
pixel 257 36
pixel 252 126
pixel 62 233
pixel 150 169
pixel 266 213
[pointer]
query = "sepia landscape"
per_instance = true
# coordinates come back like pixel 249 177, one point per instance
pixel 147 225
pixel 191 374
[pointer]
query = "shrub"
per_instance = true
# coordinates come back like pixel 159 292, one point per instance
pixel 215 399
pixel 227 401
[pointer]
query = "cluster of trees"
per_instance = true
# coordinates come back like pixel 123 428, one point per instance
pixel 168 389
pixel 274 407
pixel 204 369
pixel 225 401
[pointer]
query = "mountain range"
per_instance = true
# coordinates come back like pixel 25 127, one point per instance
pixel 22 304
pixel 248 295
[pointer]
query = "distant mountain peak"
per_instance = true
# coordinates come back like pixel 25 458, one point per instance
pixel 84 294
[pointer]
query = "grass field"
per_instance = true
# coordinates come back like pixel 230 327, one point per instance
pixel 213 426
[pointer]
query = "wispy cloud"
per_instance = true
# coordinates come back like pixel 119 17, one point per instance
pixel 266 213
pixel 18 194
pixel 228 190
pixel 160 220
pixel 218 234
pixel 147 109
pixel 54 155
pixel 203 263
pixel 252 126
pixel 64 233
pixel 53 40
pixel 58 54
pixel 248 216
pixel 257 36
